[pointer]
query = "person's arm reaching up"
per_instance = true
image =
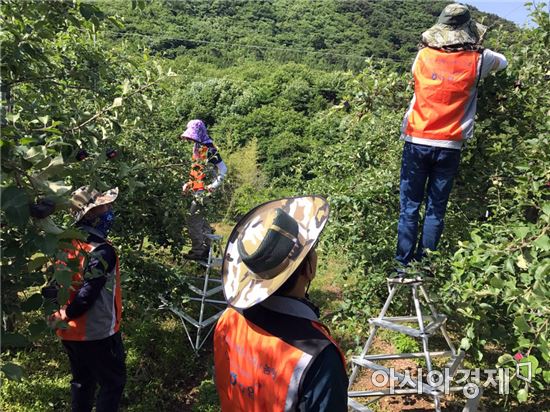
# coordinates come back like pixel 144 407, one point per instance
pixel 492 61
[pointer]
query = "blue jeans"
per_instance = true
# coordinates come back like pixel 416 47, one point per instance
pixel 420 164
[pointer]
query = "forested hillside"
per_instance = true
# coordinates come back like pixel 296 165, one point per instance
pixel 327 34
pixel 98 93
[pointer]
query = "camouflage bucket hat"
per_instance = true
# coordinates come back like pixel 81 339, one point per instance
pixel 268 244
pixel 454 27
pixel 85 199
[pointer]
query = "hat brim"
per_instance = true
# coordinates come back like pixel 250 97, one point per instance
pixel 442 35
pixel 242 289
pixel 103 199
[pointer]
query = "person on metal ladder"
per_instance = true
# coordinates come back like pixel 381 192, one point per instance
pixel 439 120
pixel 205 154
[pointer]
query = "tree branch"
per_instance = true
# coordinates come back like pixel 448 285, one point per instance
pixel 111 106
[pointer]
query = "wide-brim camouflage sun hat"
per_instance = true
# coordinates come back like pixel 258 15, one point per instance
pixel 268 244
pixel 454 27
pixel 85 199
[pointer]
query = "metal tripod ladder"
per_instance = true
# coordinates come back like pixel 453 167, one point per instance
pixel 212 285
pixel 435 322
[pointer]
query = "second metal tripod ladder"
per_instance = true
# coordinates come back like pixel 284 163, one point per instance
pixel 211 286
pixel 428 324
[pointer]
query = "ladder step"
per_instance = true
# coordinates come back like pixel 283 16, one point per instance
pixel 409 318
pixel 390 356
pixel 435 324
pixel 455 363
pixel 396 327
pixel 209 292
pixel 426 389
pixel 186 317
pixel 195 322
pixel 406 281
pixel 386 392
pixel 215 263
pixel 211 319
pixel 215 301
pixel 356 406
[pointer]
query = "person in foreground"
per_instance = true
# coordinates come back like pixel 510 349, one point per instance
pixel 207 163
pixel 440 118
pixel 271 353
pixel 93 312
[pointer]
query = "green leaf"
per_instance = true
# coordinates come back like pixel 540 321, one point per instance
pixel 37 262
pixel 149 103
pixel 522 395
pixel 63 295
pixel 522 262
pixel 58 188
pixel 13 117
pixel 504 359
pixel 64 277
pixel 12 371
pixel 32 303
pixel 546 376
pixel 534 364
pixel 88 11
pixel 14 340
pixel 117 128
pixel 55 167
pixel 125 86
pixel 542 271
pixel 521 324
pixel 510 265
pixel 497 283
pixel 521 231
pixel 543 242
pixel 117 102
pixel 15 202
pixel 37 328
pixel 36 154
pixel 72 233
pixel 44 119
pixel 465 344
pixel 47 244
pixel 48 226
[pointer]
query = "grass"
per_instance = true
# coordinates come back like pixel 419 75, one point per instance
pixel 164 374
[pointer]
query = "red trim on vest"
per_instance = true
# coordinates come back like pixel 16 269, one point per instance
pixel 254 369
pixel 443 88
pixel 196 174
pixel 325 331
pixel 78 326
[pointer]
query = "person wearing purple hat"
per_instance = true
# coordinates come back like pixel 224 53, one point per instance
pixel 205 156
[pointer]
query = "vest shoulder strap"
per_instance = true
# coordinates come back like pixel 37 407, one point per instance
pixel 295 331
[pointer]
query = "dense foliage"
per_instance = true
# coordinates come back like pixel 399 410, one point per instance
pixel 325 34
pixel 79 84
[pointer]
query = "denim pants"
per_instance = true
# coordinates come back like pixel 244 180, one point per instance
pixel 97 362
pixel 426 172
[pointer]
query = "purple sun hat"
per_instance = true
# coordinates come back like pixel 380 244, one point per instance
pixel 196 132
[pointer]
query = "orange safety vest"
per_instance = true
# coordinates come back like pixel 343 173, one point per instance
pixel 257 370
pixel 103 318
pixel 445 91
pixel 197 173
